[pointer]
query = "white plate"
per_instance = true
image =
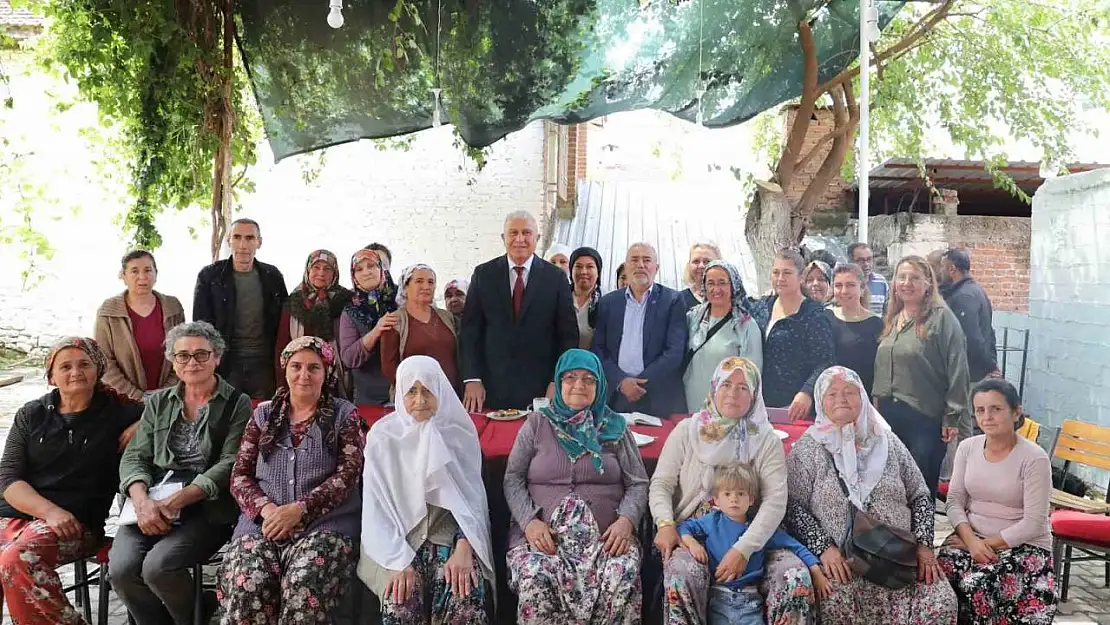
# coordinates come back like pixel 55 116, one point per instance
pixel 507 415
pixel 782 435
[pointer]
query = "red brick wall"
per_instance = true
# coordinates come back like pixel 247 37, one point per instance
pixel 838 192
pixel 1003 270
pixel 576 158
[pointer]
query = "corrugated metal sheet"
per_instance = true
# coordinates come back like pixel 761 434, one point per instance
pixel 612 215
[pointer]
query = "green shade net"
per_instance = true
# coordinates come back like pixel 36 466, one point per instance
pixel 504 63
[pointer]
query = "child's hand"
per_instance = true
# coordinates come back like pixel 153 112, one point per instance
pixel 820 582
pixel 698 552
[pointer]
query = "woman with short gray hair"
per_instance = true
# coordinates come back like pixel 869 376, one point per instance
pixel 176 472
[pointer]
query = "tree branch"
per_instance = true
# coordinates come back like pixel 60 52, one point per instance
pixel 802 117
pixel 846 115
pixel 916 32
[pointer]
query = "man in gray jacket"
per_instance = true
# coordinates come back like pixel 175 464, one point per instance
pixel 969 301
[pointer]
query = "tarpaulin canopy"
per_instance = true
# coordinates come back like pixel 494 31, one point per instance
pixel 501 64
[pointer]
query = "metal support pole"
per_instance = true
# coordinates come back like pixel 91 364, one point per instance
pixel 863 165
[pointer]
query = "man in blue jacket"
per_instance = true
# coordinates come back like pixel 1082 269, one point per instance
pixel 641 339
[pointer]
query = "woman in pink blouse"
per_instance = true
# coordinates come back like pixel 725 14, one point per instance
pixel 999 559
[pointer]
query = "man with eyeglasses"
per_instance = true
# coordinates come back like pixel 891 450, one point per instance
pixel 861 254
pixel 641 340
pixel 242 297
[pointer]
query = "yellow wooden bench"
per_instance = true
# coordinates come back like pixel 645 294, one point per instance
pixel 1088 444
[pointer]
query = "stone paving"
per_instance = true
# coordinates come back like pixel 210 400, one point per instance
pixel 1088 597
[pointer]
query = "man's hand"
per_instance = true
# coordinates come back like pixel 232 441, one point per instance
pixel 633 389
pixel 474 397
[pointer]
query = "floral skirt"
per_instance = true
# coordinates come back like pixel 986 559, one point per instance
pixel 433 603
pixel 580 584
pixel 786 585
pixel 864 603
pixel 265 582
pixel 1019 589
pixel 29 554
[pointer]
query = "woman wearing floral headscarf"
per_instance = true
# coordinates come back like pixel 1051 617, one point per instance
pixel 817 280
pixel 576 487
pixel 718 328
pixel 422 329
pixel 57 477
pixel 849 458
pixel 431 558
pixel 371 311
pixel 313 308
pixel 732 427
pixel 296 481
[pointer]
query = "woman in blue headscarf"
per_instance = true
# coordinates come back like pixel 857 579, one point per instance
pixel 576 487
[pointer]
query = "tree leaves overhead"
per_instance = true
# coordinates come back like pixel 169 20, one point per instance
pixel 501 65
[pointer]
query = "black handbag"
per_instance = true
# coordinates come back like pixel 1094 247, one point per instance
pixel 708 335
pixel 877 552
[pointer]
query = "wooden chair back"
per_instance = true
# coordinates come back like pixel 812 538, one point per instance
pixel 1084 443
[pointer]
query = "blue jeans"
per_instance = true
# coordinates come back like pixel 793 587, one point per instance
pixel 742 606
pixel 920 433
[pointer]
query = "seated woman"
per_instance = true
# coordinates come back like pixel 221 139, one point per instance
pixel 57 478
pixel 732 427
pixel 421 329
pixel 576 487
pixel 131 328
pixel 798 343
pixel 313 309
pixel 189 435
pixel 370 313
pixel 431 556
pixel 851 458
pixel 999 560
pixel 293 550
pixel 719 328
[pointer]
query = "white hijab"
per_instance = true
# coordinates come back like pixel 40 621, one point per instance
pixel 859 449
pixel 411 465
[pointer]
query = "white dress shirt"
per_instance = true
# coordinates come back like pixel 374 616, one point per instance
pixel 512 271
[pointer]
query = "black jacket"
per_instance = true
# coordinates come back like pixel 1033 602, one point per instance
pixel 75 466
pixel 972 307
pixel 214 301
pixel 796 351
pixel 515 359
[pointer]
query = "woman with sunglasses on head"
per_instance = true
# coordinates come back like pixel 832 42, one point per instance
pixel 187 441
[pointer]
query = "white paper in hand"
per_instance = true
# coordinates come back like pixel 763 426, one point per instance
pixel 639 418
pixel 127 514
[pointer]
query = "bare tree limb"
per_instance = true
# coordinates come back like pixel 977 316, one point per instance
pixel 802 117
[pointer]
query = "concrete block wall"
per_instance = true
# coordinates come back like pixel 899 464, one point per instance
pixel 427 204
pixel 1069 303
pixel 999 248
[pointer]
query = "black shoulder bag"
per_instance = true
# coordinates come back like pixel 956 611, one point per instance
pixel 708 335
pixel 875 551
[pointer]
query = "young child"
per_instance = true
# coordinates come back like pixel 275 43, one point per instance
pixel 738 602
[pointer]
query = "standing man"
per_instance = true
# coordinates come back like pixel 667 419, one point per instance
pixel 641 340
pixel 969 301
pixel 861 254
pixel 242 298
pixel 517 321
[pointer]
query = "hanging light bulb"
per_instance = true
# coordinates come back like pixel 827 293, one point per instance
pixel 435 107
pixel 335 15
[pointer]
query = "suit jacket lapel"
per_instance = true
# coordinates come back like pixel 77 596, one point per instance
pixel 617 323
pixel 531 289
pixel 649 319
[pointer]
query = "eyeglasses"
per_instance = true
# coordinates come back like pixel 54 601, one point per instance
pixel 183 358
pixel 572 379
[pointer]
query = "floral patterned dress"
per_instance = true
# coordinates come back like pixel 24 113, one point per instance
pixel 1019 589
pixel 818 510
pixel 432 602
pixel 302 579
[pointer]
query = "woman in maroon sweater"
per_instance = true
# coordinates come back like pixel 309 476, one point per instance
pixel 421 329
pixel 577 488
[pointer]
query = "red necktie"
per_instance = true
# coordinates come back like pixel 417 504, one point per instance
pixel 518 291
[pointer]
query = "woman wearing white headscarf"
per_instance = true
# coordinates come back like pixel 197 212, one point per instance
pixel 426 545
pixel 732 427
pixel 851 448
pixel 422 329
pixel 559 255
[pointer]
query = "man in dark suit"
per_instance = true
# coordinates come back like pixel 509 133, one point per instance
pixel 641 340
pixel 518 319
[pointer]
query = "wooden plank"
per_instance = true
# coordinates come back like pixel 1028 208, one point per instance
pixel 1079 429
pixel 1060 499
pixel 10 381
pixel 1085 445
pixel 1064 453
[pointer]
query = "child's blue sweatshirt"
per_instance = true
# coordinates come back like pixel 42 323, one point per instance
pixel 719 533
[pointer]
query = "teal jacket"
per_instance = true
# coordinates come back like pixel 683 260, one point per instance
pixel 148 455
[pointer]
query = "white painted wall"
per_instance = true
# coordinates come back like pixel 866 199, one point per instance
pixel 427 204
pixel 1069 302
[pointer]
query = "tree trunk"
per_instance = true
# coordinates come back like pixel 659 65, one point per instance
pixel 768 228
pixel 221 170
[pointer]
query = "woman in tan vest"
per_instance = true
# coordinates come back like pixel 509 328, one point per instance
pixel 131 329
pixel 422 329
